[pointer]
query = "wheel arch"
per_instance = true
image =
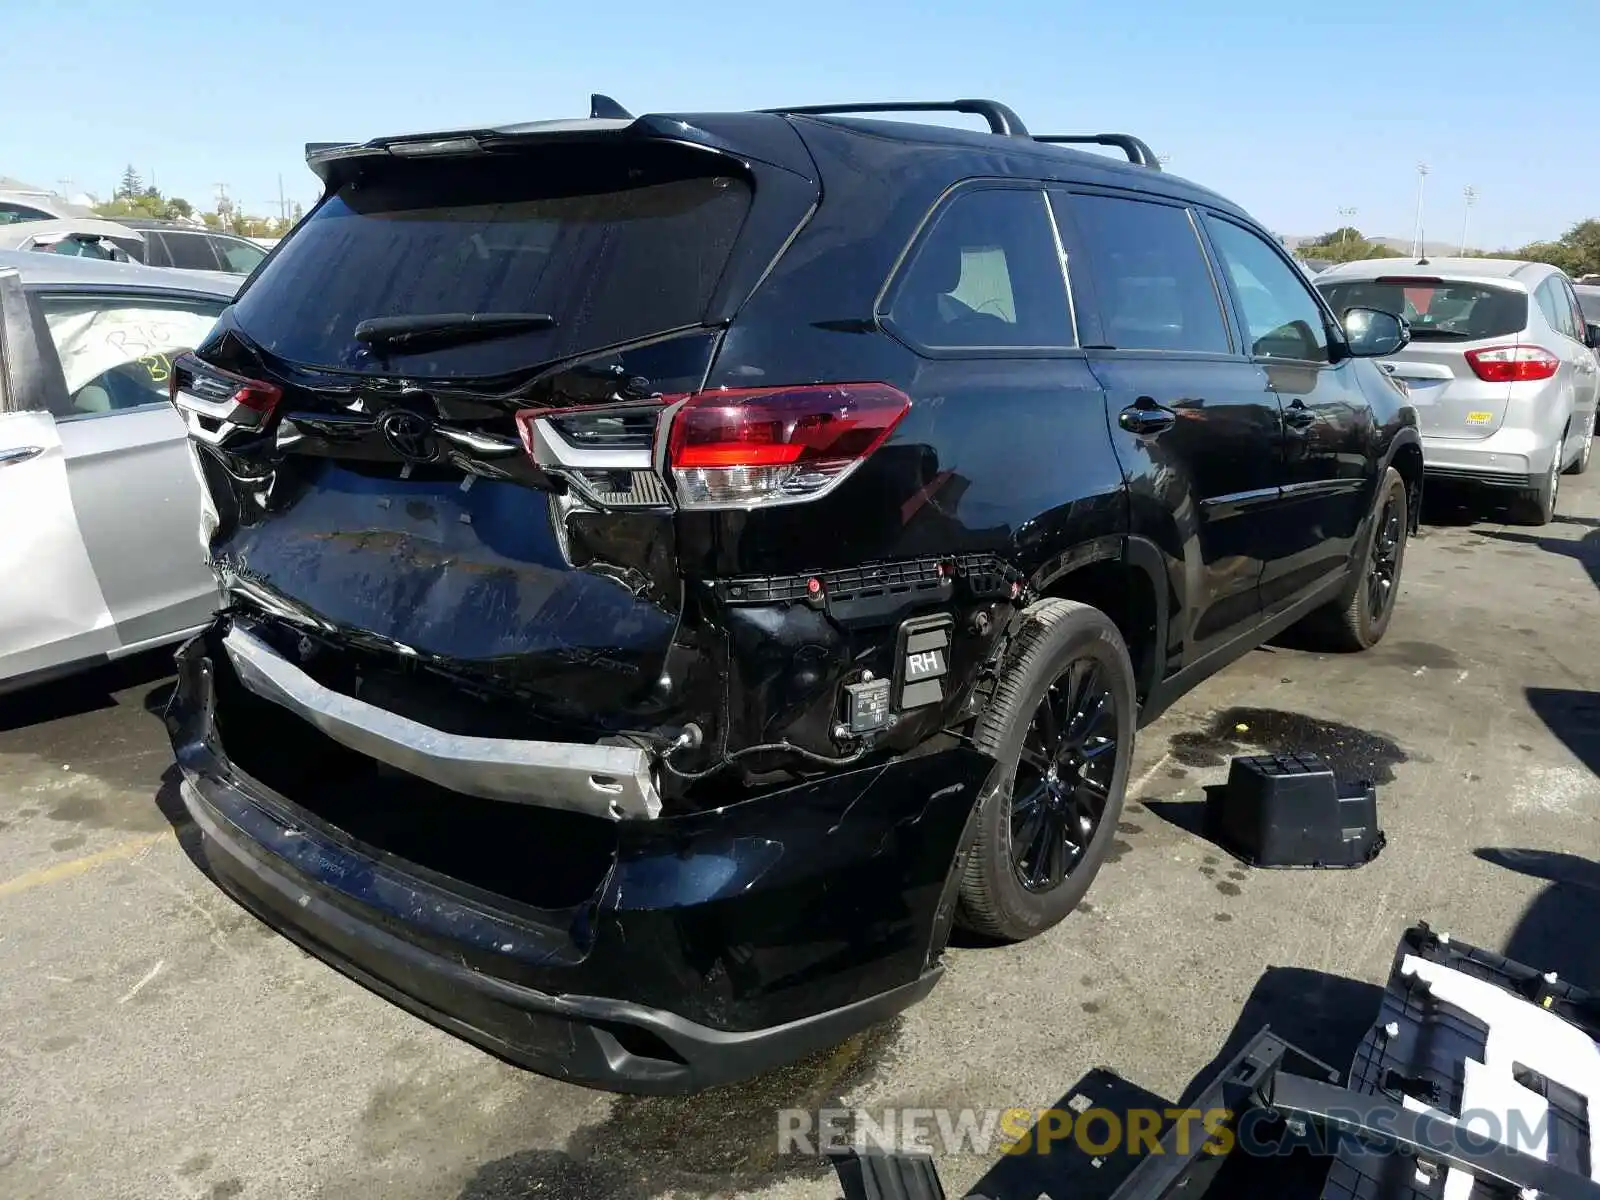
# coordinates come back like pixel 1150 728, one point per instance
pixel 1125 578
pixel 1405 456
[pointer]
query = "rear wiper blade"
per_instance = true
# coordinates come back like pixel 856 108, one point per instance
pixel 448 329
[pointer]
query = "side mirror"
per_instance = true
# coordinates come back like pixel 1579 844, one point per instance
pixel 1372 333
pixel 1591 333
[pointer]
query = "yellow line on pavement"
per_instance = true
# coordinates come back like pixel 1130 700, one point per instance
pixel 56 872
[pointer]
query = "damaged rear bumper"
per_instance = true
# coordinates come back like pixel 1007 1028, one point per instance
pixel 717 944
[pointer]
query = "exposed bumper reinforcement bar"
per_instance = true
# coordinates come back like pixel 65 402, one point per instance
pixel 606 781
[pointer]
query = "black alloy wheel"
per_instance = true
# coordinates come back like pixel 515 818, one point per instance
pixel 1064 776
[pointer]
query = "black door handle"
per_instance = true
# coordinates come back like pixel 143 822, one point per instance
pixel 1144 418
pixel 1298 415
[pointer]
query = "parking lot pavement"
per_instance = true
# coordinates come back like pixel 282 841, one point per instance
pixel 161 1043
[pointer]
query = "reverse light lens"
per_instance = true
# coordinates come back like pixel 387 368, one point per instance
pixel 1513 364
pixel 748 447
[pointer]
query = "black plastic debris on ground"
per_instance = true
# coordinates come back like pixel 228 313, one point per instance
pixel 1399 1128
pixel 1289 810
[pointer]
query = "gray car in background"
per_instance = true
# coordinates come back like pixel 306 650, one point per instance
pixel 99 497
pixel 1501 367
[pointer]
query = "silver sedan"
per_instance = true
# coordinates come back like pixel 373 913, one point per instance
pixel 99 500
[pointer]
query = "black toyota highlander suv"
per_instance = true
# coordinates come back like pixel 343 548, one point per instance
pixel 677 566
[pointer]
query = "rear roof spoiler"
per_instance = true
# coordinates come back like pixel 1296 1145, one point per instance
pixel 606 115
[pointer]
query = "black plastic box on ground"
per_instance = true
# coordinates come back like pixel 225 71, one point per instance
pixel 1288 810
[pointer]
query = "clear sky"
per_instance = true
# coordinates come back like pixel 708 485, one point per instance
pixel 1293 110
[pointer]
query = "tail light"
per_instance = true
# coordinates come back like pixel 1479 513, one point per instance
pixel 1513 364
pixel 755 447
pixel 214 402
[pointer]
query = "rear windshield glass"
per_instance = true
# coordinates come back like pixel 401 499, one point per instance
pixel 1440 310
pixel 614 245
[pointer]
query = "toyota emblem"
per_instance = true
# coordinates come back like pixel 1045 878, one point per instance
pixel 409 435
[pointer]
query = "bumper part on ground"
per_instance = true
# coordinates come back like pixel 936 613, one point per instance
pixel 717 944
pixel 1478 1076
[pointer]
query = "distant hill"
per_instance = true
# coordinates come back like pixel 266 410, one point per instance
pixel 1401 246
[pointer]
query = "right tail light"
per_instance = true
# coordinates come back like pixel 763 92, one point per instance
pixel 759 447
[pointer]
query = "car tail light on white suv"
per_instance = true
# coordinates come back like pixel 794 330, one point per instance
pixel 1512 364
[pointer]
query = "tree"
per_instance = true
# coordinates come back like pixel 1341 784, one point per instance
pixel 132 185
pixel 1345 244
pixel 147 202
pixel 1577 252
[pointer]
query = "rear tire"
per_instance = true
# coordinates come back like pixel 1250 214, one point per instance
pixel 1360 617
pixel 1537 505
pixel 1060 727
pixel 1581 463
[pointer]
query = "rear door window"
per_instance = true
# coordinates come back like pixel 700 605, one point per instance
pixel 615 247
pixel 237 255
pixel 1438 309
pixel 987 273
pixel 1150 276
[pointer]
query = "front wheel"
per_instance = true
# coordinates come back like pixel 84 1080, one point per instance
pixel 1060 727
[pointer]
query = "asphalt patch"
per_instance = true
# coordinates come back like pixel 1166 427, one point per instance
pixel 1352 753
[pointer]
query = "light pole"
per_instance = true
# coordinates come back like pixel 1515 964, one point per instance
pixel 1345 216
pixel 1422 182
pixel 1470 195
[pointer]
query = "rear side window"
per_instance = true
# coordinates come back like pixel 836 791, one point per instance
pixel 237 255
pixel 1557 308
pixel 986 274
pixel 1150 276
pixel 191 251
pixel 615 247
pixel 1438 309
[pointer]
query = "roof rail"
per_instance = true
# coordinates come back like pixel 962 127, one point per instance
pixel 1001 119
pixel 1137 151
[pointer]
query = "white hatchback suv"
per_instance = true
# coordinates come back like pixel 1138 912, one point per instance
pixel 1501 367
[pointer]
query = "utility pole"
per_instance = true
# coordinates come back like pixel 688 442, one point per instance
pixel 1345 217
pixel 1422 182
pixel 1470 195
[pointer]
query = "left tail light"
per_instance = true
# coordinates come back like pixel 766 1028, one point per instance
pixel 758 447
pixel 214 402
